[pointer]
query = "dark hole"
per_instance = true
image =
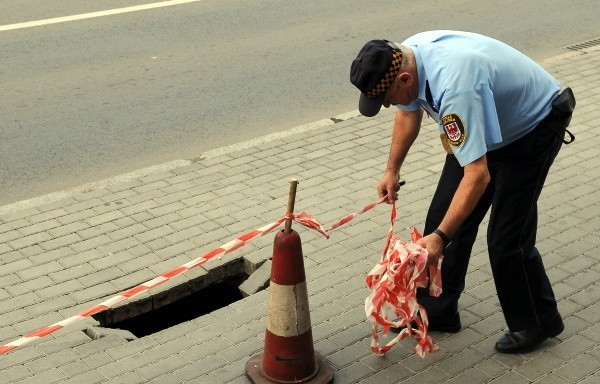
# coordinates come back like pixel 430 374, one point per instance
pixel 199 303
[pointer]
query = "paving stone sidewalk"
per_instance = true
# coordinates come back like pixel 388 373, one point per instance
pixel 65 255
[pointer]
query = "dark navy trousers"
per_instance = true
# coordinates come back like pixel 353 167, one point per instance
pixel 518 172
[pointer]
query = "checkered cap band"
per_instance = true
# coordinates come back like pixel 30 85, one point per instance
pixel 389 77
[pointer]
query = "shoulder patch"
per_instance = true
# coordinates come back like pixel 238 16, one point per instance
pixel 455 129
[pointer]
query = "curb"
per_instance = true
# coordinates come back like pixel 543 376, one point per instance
pixel 168 166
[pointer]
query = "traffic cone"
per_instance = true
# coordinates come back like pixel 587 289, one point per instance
pixel 289 355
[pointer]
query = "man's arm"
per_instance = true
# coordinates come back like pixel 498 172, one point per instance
pixel 472 186
pixel 406 130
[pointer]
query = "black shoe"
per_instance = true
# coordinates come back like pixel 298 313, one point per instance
pixel 448 324
pixel 529 339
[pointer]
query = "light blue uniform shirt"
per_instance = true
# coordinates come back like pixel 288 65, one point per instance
pixel 484 93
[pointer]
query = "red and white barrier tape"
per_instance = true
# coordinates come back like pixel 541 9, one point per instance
pixel 394 282
pixel 303 219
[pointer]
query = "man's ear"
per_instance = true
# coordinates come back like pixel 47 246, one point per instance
pixel 405 77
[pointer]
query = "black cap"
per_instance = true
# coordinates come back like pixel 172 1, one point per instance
pixel 373 71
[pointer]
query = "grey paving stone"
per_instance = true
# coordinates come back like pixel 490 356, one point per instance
pixel 16 216
pixel 8 226
pixel 168 348
pixel 234 372
pixel 579 368
pixel 125 244
pixel 592 333
pixel 461 361
pixel 18 302
pixel 127 378
pixel 63 241
pixel 124 365
pixel 59 289
pixel 552 378
pixel 20 356
pixel 200 368
pixel 352 373
pixel 56 359
pixel 390 373
pixel 71 273
pixel 76 259
pixel 349 355
pixel 91 377
pixel 455 343
pixel 138 207
pixel 38 270
pixel 39 227
pixel 166 378
pixel 90 243
pixel 102 276
pixel 61 342
pixel 4 248
pixel 46 215
pixel 166 209
pixel 510 377
pixel 351 334
pixel 563 290
pixel 4 294
pixel 15 266
pixel 509 360
pixel 47 377
pixel 538 366
pixel 49 305
pixel 150 187
pixel 127 231
pixel 156 233
pixel 428 375
pixel 490 325
pixel 161 370
pixel 83 205
pixel 96 292
pixel 591 379
pixel 468 376
pixel 26 241
pixel 491 368
pixel 571 348
pixel 97 230
pixel 177 250
pixel 30 285
pixel 14 374
pixel 96 333
pixel 243 350
pixel 48 256
pixel 74 368
pixel 257 281
pixel 160 220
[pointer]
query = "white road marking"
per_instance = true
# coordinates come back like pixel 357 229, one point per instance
pixel 91 15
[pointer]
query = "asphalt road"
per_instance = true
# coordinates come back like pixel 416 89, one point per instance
pixel 89 99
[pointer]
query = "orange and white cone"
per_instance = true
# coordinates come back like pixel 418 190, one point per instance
pixel 289 355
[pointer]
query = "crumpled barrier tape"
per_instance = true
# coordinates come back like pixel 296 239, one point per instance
pixel 394 282
pixel 303 219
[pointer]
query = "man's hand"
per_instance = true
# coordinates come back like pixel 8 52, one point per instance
pixel 389 186
pixel 434 246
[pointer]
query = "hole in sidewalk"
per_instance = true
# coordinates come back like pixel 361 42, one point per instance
pixel 178 304
pixel 197 304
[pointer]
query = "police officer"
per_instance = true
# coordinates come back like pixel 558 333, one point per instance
pixel 502 119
